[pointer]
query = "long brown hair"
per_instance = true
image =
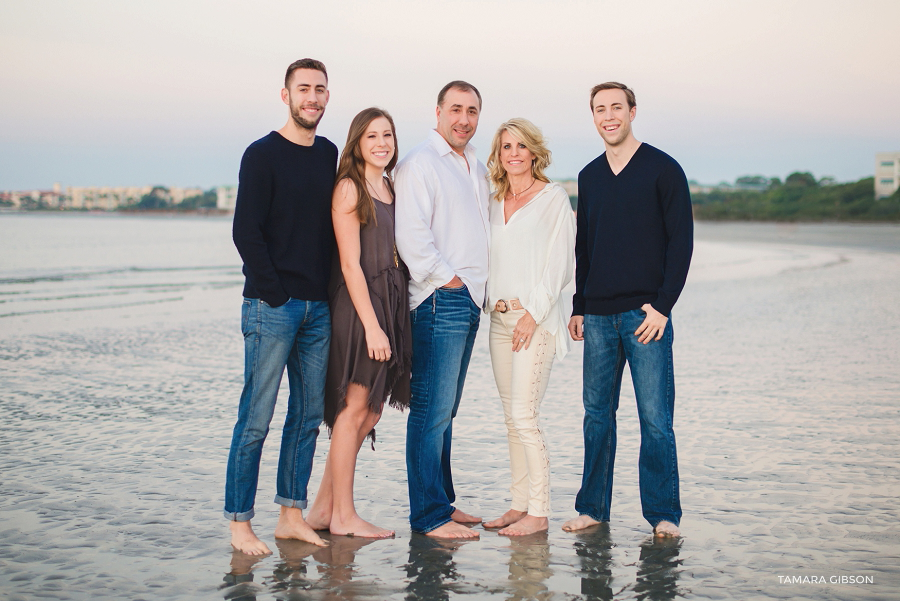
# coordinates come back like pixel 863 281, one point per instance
pixel 353 166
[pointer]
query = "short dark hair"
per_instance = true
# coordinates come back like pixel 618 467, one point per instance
pixel 304 63
pixel 458 85
pixel 614 85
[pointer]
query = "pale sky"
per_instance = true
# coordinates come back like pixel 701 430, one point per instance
pixel 100 92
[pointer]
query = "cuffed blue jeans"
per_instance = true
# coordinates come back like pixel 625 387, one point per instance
pixel 609 342
pixel 444 326
pixel 297 335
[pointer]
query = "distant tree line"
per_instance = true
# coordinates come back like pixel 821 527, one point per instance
pixel 799 198
pixel 159 198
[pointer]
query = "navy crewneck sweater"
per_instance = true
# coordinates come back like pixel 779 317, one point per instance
pixel 282 219
pixel 635 234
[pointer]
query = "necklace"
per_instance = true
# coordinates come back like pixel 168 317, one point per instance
pixel 372 186
pixel 516 195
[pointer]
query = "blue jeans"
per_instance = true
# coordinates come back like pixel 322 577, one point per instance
pixel 609 342
pixel 297 335
pixel 444 326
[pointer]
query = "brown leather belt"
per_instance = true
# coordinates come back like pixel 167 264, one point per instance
pixel 503 306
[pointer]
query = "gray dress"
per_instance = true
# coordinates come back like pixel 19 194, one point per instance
pixel 349 360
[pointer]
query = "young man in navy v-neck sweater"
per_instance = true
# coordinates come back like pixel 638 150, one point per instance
pixel 282 230
pixel 633 250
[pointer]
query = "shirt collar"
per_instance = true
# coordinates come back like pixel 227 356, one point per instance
pixel 444 148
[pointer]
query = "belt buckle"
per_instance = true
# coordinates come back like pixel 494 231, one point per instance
pixel 502 307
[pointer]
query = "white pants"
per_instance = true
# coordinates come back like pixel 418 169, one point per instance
pixel 521 380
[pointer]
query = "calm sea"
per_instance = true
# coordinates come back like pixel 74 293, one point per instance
pixel 120 369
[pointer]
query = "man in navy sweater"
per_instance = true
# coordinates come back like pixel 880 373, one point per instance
pixel 632 250
pixel 283 232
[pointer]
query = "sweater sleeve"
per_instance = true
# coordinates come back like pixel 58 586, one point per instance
pixel 557 272
pixel 675 201
pixel 582 252
pixel 254 199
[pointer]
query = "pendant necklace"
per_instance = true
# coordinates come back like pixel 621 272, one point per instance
pixel 516 195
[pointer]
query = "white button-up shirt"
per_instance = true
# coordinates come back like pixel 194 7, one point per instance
pixel 442 222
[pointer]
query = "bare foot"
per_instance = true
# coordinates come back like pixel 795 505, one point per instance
pixel 510 517
pixel 356 526
pixel 292 525
pixel 452 530
pixel 579 523
pixel 244 540
pixel 318 520
pixel 527 525
pixel 461 517
pixel 666 529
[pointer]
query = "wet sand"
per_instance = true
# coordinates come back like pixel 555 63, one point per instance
pixel 121 363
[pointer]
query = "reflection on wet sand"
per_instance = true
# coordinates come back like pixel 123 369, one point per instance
pixel 239 585
pixel 529 566
pixel 593 547
pixel 431 571
pixel 658 569
pixel 334 566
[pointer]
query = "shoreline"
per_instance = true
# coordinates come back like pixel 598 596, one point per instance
pixel 230 212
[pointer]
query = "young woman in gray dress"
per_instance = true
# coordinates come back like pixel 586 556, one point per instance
pixel 371 342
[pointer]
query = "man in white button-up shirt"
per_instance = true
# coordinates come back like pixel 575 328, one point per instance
pixel 443 236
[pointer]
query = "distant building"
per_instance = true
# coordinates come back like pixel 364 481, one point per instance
pixel 105 198
pixel 887 174
pixel 178 195
pixel 226 197
pixel 34 199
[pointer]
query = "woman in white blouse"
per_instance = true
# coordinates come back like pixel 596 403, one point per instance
pixel 529 299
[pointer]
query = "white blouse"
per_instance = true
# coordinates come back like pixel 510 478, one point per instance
pixel 533 259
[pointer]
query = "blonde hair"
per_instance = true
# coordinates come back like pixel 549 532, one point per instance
pixel 528 133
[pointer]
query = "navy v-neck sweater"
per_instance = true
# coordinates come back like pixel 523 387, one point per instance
pixel 635 234
pixel 282 219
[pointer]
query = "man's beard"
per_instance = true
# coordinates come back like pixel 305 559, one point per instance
pixel 303 122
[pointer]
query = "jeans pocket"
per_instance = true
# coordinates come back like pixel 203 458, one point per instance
pixel 246 306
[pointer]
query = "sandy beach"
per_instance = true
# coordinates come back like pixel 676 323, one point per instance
pixel 121 359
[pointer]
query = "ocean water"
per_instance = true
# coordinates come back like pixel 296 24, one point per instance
pixel 120 370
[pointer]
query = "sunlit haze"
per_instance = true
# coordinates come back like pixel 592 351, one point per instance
pixel 171 92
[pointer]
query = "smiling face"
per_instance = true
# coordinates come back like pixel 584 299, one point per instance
pixel 377 145
pixel 457 118
pixel 515 157
pixel 612 117
pixel 307 96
